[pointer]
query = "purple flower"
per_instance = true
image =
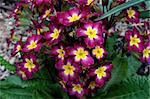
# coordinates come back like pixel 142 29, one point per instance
pixel 146 54
pixel 69 70
pixel 33 43
pixel 69 17
pixel 102 74
pixel 132 15
pixel 81 55
pixel 92 33
pixel 135 40
pixel 54 35
pixel 21 73
pixel 17 48
pixel 99 52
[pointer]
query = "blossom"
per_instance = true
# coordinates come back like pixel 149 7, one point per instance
pixel 101 74
pixel 17 48
pixel 133 15
pixel 47 13
pixel 146 54
pixel 135 40
pixel 58 52
pixel 81 55
pixel 69 70
pixel 77 89
pixel 99 52
pixel 92 33
pixel 67 18
pixel 22 74
pixel 33 43
pixel 54 35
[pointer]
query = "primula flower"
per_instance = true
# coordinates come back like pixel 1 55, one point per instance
pixel 133 15
pixel 22 74
pixel 146 54
pixel 92 86
pixel 33 43
pixel 81 55
pixel 135 40
pixel 69 17
pixel 58 52
pixel 17 48
pixel 77 89
pixel 54 35
pixel 29 64
pixel 99 52
pixel 92 33
pixel 101 74
pixel 68 70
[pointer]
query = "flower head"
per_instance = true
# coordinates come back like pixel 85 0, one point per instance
pixel 17 48
pixel 135 40
pixel 92 33
pixel 33 43
pixel 132 15
pixel 81 55
pixel 146 54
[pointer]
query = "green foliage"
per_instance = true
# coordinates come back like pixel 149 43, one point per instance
pixel 7 64
pixel 135 87
pixel 120 8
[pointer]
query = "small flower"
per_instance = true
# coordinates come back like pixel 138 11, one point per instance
pixel 58 52
pixel 76 89
pixel 29 64
pixel 81 55
pixel 92 33
pixel 146 54
pixel 92 85
pixel 54 35
pixel 17 48
pixel 132 15
pixel 22 74
pixel 135 40
pixel 33 43
pixel 47 13
pixel 102 74
pixel 99 52
pixel 69 17
pixel 68 70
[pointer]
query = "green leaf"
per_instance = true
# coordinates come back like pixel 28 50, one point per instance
pixel 120 8
pixel 119 72
pixel 145 14
pixel 7 64
pixel 133 65
pixel 136 87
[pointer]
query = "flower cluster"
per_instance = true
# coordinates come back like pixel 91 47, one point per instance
pixel 73 39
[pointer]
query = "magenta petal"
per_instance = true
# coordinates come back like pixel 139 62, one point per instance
pixel 80 32
pixel 54 50
pixel 38 48
pixel 100 82
pixel 88 61
pixel 89 42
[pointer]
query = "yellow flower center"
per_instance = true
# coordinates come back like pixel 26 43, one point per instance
pixel 74 17
pixel 91 33
pixel 18 48
pixel 134 41
pixel 146 52
pixel 39 31
pixel 33 44
pixel 131 13
pixel 61 53
pixel 89 2
pixel 29 64
pixel 100 72
pixel 92 85
pixel 68 69
pixel 98 52
pixel 77 87
pixel 80 54
pixel 55 34
pixel 47 13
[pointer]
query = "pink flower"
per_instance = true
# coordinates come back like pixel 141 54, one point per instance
pixel 17 48
pixel 146 54
pixel 92 33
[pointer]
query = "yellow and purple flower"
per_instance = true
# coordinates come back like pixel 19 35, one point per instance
pixel 17 48
pixel 146 54
pixel 135 40
pixel 92 33
pixel 71 16
pixel 101 74
pixel 68 70
pixel 132 15
pixel 80 55
pixel 33 43
pixel 99 52
pixel 54 35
